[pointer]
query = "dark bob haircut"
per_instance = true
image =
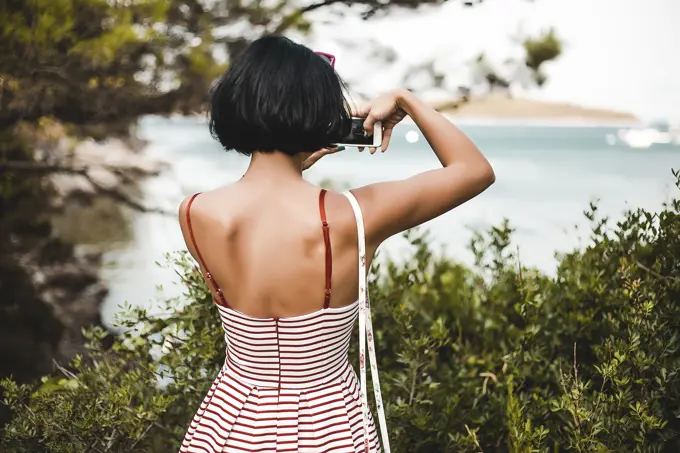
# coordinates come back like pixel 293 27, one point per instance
pixel 279 95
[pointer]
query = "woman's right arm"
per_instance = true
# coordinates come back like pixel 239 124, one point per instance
pixel 395 206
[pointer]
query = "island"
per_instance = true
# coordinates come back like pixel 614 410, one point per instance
pixel 504 107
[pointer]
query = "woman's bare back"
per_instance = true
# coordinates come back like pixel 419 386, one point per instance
pixel 264 246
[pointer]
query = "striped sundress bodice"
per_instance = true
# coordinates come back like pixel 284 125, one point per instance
pixel 295 353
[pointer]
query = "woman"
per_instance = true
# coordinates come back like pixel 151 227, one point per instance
pixel 285 260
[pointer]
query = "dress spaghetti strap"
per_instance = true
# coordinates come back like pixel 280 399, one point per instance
pixel 366 331
pixel 327 245
pixel 208 275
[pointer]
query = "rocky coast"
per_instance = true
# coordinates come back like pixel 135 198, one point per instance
pixel 53 288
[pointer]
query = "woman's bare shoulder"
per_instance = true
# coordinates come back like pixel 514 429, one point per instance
pixel 217 203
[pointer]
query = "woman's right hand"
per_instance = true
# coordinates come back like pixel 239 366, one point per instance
pixel 385 109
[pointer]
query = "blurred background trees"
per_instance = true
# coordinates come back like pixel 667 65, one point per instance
pixel 73 69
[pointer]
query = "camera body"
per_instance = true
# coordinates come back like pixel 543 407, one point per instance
pixel 357 136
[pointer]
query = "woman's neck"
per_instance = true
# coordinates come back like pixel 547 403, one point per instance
pixel 275 166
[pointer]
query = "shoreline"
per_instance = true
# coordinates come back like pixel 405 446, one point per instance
pixel 501 108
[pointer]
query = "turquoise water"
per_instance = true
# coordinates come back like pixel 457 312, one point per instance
pixel 545 178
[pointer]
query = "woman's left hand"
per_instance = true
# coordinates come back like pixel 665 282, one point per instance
pixel 314 157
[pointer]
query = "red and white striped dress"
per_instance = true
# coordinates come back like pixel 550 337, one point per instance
pixel 287 384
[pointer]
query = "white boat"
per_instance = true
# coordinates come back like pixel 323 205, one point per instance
pixel 645 137
pixel 674 130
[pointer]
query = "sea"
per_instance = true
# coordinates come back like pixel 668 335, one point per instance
pixel 547 174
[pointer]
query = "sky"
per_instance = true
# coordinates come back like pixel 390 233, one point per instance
pixel 618 54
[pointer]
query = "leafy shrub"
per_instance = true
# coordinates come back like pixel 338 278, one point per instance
pixel 498 357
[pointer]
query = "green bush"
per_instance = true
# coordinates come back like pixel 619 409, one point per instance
pixel 494 358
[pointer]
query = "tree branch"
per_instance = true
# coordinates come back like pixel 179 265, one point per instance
pixel 288 20
pixel 374 5
pixel 42 168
